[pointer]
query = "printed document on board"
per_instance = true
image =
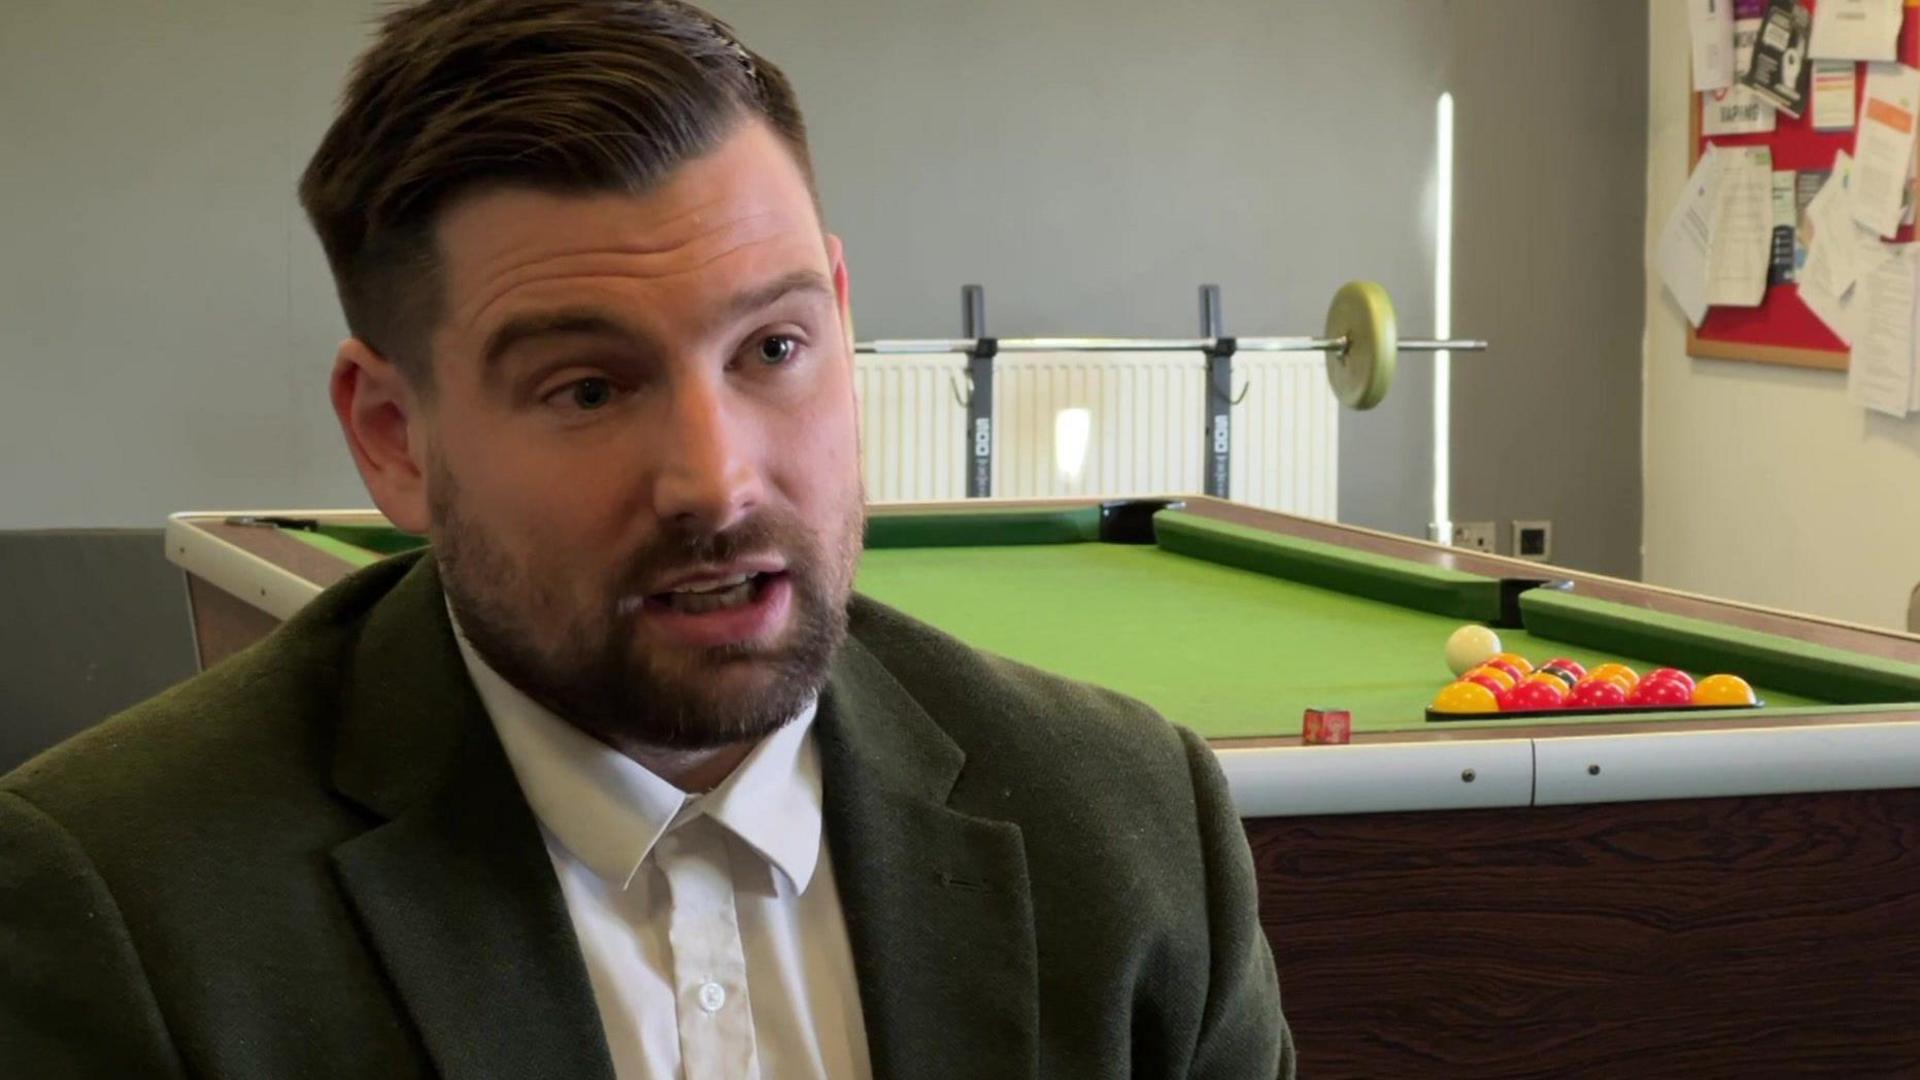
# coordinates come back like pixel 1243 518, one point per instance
pixel 1856 29
pixel 1687 239
pixel 1742 228
pixel 1880 376
pixel 1836 244
pixel 1736 110
pixel 1711 24
pixel 1883 146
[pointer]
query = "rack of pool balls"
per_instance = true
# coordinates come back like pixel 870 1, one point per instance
pixel 1492 682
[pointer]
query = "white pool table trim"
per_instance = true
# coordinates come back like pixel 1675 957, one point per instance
pixel 277 591
pixel 1381 777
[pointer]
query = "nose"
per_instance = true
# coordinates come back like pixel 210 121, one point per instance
pixel 709 478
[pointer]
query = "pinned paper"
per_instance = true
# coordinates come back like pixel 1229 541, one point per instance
pixel 1880 376
pixel 1737 110
pixel 1835 246
pixel 1779 70
pixel 1836 312
pixel 1806 186
pixel 1711 25
pixel 1856 29
pixel 1687 239
pixel 1833 93
pixel 1742 228
pixel 1780 267
pixel 1828 233
pixel 1883 147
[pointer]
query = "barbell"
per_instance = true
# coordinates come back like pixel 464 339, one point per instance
pixel 1361 340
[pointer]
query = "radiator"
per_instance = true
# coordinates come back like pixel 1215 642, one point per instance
pixel 1112 424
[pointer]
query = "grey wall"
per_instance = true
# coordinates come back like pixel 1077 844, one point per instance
pixel 1550 197
pixel 166 320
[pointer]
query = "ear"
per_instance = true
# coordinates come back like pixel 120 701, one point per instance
pixel 385 427
pixel 837 257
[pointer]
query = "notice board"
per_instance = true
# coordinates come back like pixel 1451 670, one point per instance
pixel 1782 330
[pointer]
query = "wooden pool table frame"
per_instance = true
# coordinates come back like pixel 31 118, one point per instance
pixel 1725 897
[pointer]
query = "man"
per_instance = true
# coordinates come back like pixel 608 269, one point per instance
pixel 621 780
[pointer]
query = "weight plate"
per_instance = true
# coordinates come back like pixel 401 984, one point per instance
pixel 1363 315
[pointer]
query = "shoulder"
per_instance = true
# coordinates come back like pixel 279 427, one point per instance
pixel 250 728
pixel 1118 809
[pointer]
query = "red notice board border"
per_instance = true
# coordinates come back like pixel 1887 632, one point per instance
pixel 1782 330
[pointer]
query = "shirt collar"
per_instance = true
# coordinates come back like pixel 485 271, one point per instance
pixel 608 810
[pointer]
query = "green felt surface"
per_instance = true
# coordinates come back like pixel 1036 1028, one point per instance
pixel 1228 652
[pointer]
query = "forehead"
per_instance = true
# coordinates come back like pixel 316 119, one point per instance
pixel 742 211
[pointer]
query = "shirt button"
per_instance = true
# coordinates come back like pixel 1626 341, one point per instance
pixel 712 996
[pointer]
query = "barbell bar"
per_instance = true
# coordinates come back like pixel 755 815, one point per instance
pixel 1361 343
pixel 924 346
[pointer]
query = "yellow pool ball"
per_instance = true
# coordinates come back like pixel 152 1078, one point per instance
pixel 1505 680
pixel 1614 677
pixel 1518 661
pixel 1465 697
pixel 1469 647
pixel 1724 690
pixel 1626 676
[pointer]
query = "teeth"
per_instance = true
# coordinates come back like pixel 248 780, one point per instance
pixel 716 599
pixel 716 585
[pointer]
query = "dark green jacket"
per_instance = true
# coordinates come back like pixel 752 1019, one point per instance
pixel 314 861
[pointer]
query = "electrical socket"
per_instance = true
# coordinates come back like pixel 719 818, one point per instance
pixel 1533 540
pixel 1474 535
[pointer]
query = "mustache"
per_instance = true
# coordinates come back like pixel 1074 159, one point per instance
pixel 680 549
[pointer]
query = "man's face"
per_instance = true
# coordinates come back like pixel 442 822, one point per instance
pixel 641 447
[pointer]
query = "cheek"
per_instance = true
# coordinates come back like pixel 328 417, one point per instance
pixel 816 459
pixel 553 503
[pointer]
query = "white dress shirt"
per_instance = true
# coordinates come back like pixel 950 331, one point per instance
pixel 710 924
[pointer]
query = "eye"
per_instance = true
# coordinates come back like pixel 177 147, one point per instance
pixel 590 394
pixel 776 349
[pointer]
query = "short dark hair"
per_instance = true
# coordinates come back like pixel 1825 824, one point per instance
pixel 566 96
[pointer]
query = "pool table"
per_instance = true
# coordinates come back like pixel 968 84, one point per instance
pixel 1724 893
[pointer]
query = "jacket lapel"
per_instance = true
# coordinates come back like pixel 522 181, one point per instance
pixel 455 888
pixel 937 904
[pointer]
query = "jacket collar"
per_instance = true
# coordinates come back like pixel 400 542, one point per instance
pixel 454 888
pixel 936 901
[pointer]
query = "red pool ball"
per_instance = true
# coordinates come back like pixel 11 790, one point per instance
pixel 1570 666
pixel 1490 683
pixel 1598 694
pixel 1661 694
pixel 1533 697
pixel 1672 673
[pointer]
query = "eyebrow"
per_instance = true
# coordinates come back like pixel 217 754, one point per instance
pixel 594 322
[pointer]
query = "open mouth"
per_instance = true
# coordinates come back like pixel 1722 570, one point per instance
pixel 701 598
pixel 725 609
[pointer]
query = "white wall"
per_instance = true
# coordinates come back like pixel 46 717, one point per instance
pixel 1762 483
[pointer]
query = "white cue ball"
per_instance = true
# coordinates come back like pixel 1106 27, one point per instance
pixel 1469 647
